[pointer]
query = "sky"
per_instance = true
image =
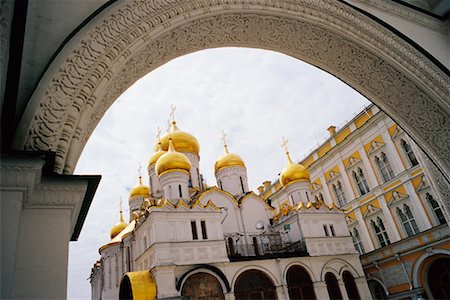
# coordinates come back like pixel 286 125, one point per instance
pixel 255 96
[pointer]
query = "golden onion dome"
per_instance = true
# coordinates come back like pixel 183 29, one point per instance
pixel 140 189
pixel 116 229
pixel 228 160
pixel 183 141
pixel 293 172
pixel 172 161
pixel 156 155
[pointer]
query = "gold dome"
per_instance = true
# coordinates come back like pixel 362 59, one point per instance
pixel 172 160
pixel 118 227
pixel 293 172
pixel 156 155
pixel 182 141
pixel 140 190
pixel 228 160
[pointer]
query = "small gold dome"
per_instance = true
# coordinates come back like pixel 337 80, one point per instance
pixel 228 160
pixel 182 141
pixel 118 227
pixel 140 190
pixel 293 172
pixel 172 160
pixel 156 155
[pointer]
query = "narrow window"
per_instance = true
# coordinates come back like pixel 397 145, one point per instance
pixel 320 196
pixel 242 185
pixel 180 191
pixel 190 181
pixel 292 199
pixel 408 221
pixel 128 259
pixel 145 244
pixel 360 181
pixel 357 241
pixel 316 199
pixel 204 234
pixel 339 193
pixel 409 153
pixel 380 232
pixel 363 179
pixel 220 185
pixel 325 229
pixel 332 230
pixel 194 230
pixel 436 209
pixel 200 183
pixel 307 196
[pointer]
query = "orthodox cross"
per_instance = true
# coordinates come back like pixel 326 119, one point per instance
pixel 284 144
pixel 172 112
pixel 168 125
pixel 223 138
pixel 139 170
pixel 120 204
pixel 158 133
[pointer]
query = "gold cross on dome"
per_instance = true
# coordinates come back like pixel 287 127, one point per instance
pixel 284 144
pixel 168 125
pixel 172 112
pixel 120 204
pixel 158 133
pixel 223 138
pixel 139 169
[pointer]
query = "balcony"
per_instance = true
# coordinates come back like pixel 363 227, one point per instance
pixel 263 246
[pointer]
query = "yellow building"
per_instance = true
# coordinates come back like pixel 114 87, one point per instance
pixel 369 169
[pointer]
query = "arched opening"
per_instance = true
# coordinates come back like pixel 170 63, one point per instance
pixel 300 286
pixel 255 285
pixel 333 287
pixel 350 286
pixel 138 285
pixel 438 278
pixel 377 290
pixel 202 286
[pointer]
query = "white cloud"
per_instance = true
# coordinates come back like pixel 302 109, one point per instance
pixel 256 96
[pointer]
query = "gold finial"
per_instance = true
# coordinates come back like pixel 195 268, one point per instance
pixel 171 148
pixel 172 112
pixel 223 138
pixel 140 175
pixel 284 146
pixel 120 210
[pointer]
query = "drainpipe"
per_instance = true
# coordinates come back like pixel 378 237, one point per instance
pixel 397 256
pixel 375 263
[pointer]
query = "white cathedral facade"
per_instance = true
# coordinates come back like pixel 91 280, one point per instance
pixel 189 241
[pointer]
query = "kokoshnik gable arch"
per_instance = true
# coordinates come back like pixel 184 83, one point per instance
pixel 128 39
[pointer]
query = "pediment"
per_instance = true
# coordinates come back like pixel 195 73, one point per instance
pixel 396 196
pixel 352 161
pixel 371 210
pixel 374 147
pixel 423 184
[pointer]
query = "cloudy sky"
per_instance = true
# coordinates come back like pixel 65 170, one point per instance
pixel 255 96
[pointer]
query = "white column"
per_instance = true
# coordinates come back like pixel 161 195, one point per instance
pixel 390 221
pixel 369 170
pixel 325 189
pixel 348 186
pixel 419 209
pixel 280 293
pixel 320 289
pixel 342 289
pixel 367 241
pixel 229 296
pixel 396 161
pixel 363 288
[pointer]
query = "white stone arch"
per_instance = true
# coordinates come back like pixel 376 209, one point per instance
pixel 202 270
pixel 128 39
pixel 418 264
pixel 300 264
pixel 266 271
pixel 385 289
pixel 339 267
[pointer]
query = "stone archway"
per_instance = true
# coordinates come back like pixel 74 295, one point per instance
pixel 131 38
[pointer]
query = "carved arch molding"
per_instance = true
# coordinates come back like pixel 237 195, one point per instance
pixel 128 39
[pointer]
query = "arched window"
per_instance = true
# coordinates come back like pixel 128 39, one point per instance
pixel 385 167
pixel 339 193
pixel 357 241
pixel 220 184
pixel 333 287
pixel 320 197
pixel 350 286
pixel 180 192
pixel 299 283
pixel 409 153
pixel 436 209
pixel 201 286
pixel 377 290
pixel 242 184
pixel 438 278
pixel 380 232
pixel 316 199
pixel 254 284
pixel 360 181
pixel 408 221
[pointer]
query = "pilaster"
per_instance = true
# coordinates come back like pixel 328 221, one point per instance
pixel 343 289
pixel 320 289
pixel 363 288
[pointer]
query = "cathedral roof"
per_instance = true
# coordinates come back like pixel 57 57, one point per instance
pixel 118 238
pixel 140 190
pixel 172 161
pixel 228 160
pixel 116 229
pixel 183 141
pixel 156 155
pixel 293 172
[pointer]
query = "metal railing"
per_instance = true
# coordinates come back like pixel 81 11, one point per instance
pixel 264 246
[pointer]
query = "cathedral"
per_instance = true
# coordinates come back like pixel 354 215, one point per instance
pixel 187 240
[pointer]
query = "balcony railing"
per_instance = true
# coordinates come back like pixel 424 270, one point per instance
pixel 263 246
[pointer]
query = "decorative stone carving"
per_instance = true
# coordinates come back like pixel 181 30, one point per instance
pixel 131 38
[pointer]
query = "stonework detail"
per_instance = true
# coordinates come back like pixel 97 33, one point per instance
pixel 132 38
